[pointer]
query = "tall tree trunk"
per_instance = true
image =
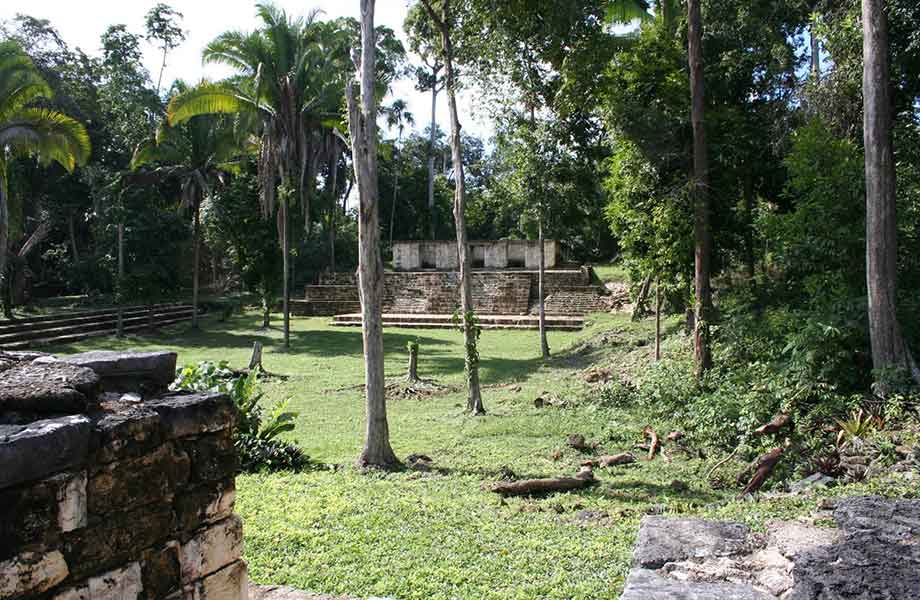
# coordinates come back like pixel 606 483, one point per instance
pixel 120 325
pixel 889 348
pixel 162 69
pixel 334 205
pixel 470 327
pixel 286 266
pixel 71 231
pixel 197 260
pixel 5 282
pixel 432 211
pixel 395 192
pixel 544 344
pixel 362 123
pixel 749 226
pixel 657 319
pixel 701 230
pixel 815 54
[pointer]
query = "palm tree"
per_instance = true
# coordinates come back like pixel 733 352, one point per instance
pixel 289 86
pixel 29 131
pixel 197 153
pixel 399 117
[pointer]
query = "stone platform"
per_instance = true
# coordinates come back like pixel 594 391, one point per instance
pixel 510 292
pixel 431 321
pixel 873 554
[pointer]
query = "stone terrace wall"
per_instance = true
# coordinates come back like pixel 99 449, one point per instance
pixel 106 495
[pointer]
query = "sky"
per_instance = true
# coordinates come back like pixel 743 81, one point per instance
pixel 82 22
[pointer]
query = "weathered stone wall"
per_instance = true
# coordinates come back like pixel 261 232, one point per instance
pixel 106 495
pixel 500 254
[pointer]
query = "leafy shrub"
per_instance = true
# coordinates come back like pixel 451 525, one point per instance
pixel 257 429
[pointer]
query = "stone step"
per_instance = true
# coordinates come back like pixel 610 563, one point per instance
pixel 106 323
pixel 429 321
pixel 13 325
pixel 77 337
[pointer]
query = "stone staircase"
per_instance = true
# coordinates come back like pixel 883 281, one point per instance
pixel 436 321
pixel 33 332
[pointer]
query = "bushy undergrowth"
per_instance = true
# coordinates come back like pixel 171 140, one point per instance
pixel 257 429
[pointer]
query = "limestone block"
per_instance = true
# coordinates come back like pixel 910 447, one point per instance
pixel 183 415
pixel 116 539
pixel 213 457
pixel 48 389
pixel 128 371
pixel 211 549
pixel 120 584
pixel 33 451
pixel 645 584
pixel 406 256
pixel 27 516
pixel 31 573
pixel 135 482
pixel 75 593
pixel 71 499
pixel 207 503
pixel 662 540
pixel 127 432
pixel 532 256
pixel 497 255
pixel 230 583
pixel 160 571
pixel 446 256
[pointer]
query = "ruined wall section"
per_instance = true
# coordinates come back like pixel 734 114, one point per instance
pixel 110 490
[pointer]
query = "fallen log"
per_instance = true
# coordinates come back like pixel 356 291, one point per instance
pixel 577 441
pixel 654 443
pixel 531 487
pixel 775 424
pixel 763 467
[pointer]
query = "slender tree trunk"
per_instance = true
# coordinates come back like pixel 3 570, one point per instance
pixel 701 230
pixel 657 319
pixel 470 328
pixel 71 231
pixel 815 54
pixel 362 123
pixel 334 206
pixel 749 226
pixel 889 348
pixel 544 344
pixel 197 259
pixel 120 326
pixel 395 193
pixel 5 282
pixel 432 211
pixel 286 266
pixel 162 68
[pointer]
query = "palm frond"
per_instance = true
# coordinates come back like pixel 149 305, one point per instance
pixel 50 135
pixel 204 99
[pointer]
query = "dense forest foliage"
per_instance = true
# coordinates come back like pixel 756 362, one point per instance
pixel 591 101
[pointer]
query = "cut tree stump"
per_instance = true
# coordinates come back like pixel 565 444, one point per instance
pixel 255 360
pixel 531 487
pixel 654 444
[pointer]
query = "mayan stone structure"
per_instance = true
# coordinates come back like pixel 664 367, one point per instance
pixel 425 280
pixel 111 488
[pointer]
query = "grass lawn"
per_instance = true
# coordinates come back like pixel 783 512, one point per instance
pixel 440 535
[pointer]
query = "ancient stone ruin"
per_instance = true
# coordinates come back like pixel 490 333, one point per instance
pixel 424 285
pixel 112 488
pixel 874 552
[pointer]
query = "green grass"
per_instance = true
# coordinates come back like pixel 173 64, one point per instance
pixel 442 535
pixel 612 272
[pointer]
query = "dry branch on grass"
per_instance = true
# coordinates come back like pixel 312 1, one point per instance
pixel 761 468
pixel 775 424
pixel 531 487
